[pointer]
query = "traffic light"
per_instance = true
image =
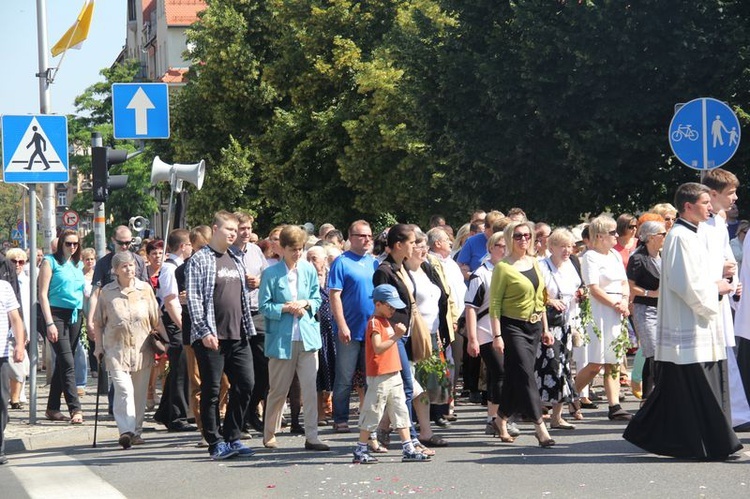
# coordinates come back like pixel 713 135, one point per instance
pixel 102 159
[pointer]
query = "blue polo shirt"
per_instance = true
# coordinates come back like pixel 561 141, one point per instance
pixel 352 274
pixel 473 251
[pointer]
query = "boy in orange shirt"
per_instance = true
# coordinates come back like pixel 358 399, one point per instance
pixel 385 389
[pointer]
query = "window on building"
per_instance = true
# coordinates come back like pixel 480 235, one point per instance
pixel 131 11
pixel 62 198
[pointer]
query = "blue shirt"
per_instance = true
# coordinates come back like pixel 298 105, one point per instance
pixel 352 275
pixel 66 284
pixel 473 251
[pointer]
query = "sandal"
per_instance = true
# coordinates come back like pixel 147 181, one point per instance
pixel 424 450
pixel 617 413
pixel 55 416
pixel 76 417
pixel 575 410
pixel 562 425
pixel 546 443
pixel 433 441
pixel 375 447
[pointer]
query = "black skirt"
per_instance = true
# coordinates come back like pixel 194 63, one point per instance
pixel 687 414
pixel 520 394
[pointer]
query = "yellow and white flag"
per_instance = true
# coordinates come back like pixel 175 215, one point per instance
pixel 74 37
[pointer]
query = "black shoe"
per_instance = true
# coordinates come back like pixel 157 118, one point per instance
pixel 16 406
pixel 442 422
pixel 181 426
pixel 742 428
pixel 256 423
pixel 475 397
pixel 317 446
pixel 297 429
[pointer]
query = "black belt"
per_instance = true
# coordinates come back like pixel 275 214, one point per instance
pixel 253 313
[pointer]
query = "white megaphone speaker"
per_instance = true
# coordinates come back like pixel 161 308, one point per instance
pixel 164 172
pixel 138 224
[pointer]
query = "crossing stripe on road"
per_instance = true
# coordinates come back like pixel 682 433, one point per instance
pixel 60 476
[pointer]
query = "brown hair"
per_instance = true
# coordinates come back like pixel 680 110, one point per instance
pixel 58 254
pixel 719 179
pixel 292 235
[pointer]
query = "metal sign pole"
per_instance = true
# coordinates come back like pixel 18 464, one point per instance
pixel 33 335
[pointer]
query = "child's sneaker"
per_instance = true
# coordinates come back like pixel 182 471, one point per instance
pixel 413 457
pixel 242 450
pixel 363 458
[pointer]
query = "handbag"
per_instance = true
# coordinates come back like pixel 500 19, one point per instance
pixel 555 318
pixel 155 341
pixel 421 342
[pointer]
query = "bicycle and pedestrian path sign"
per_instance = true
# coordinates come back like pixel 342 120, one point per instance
pixel 35 149
pixel 704 133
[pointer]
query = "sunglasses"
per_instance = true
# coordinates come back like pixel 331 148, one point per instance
pixel 22 262
pixel 612 233
pixel 500 246
pixel 71 244
pixel 124 243
pixel 518 237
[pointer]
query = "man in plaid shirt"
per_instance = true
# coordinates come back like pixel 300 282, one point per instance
pixel 221 327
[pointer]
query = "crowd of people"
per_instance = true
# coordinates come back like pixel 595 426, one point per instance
pixel 516 315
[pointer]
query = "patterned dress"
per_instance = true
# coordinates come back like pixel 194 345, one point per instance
pixel 553 374
pixel 327 353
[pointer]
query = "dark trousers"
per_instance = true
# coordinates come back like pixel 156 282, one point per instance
pixel 260 369
pixel 471 368
pixel 64 375
pixel 4 397
pixel 495 362
pixel 234 358
pixel 173 407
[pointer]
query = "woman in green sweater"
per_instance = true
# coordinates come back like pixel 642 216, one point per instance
pixel 518 323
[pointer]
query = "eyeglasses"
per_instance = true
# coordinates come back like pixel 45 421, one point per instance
pixel 661 233
pixel 363 236
pixel 124 243
pixel 500 246
pixel 518 237
pixel 71 244
pixel 22 262
pixel 612 233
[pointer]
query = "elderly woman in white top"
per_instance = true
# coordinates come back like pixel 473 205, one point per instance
pixel 604 274
pixel 126 314
pixel 563 281
pixel 427 294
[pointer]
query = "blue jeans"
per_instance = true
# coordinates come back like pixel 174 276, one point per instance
pixel 348 357
pixel 408 383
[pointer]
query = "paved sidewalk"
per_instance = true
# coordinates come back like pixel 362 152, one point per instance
pixel 20 435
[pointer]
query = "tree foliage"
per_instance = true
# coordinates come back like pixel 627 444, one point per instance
pixel 331 110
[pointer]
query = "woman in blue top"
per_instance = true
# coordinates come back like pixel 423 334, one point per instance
pixel 61 285
pixel 289 299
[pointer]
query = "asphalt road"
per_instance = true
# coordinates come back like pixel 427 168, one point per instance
pixel 591 461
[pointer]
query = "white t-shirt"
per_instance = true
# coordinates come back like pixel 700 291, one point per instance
pixel 478 298
pixel 427 296
pixel 8 303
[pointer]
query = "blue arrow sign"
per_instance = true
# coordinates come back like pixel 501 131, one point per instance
pixel 35 149
pixel 704 133
pixel 140 110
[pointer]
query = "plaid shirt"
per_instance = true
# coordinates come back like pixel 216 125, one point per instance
pixel 200 280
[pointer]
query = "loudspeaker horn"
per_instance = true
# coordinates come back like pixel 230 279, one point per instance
pixel 138 224
pixel 164 172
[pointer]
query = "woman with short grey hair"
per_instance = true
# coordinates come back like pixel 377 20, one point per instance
pixel 127 313
pixel 644 273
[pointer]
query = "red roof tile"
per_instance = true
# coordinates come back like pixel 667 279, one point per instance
pixel 174 75
pixel 183 12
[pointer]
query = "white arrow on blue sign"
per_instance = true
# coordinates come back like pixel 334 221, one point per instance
pixel 704 133
pixel 140 110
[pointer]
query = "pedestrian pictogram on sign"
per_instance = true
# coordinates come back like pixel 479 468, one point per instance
pixel 35 149
pixel 704 133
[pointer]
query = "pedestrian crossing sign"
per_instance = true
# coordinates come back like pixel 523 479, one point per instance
pixel 35 149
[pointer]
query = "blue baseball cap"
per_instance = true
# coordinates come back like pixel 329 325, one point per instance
pixel 386 293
